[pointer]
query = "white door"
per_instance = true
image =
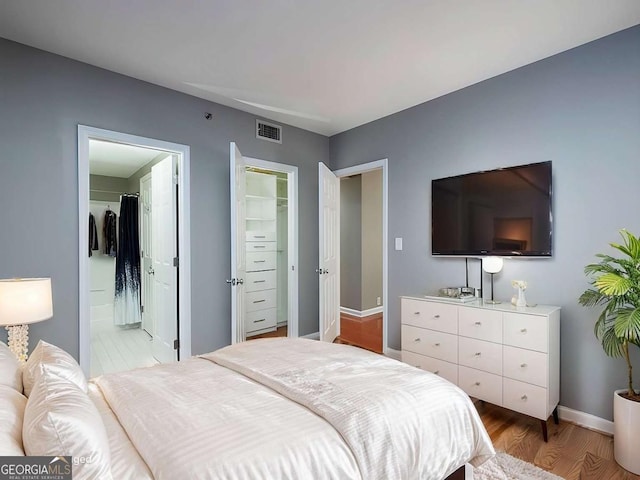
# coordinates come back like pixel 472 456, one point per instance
pixel 146 254
pixel 238 238
pixel 329 265
pixel 164 248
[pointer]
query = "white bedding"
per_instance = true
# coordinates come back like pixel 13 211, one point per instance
pixel 284 408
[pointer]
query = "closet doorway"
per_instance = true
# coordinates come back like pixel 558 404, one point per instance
pixel 264 277
pixel 131 286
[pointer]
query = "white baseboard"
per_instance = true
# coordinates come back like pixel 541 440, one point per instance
pixel 312 336
pixel 361 313
pixel 585 420
pixel 392 353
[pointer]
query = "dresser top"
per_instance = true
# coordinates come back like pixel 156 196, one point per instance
pixel 501 307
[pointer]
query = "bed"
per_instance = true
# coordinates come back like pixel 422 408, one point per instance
pixel 271 408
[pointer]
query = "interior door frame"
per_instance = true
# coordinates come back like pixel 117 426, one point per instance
pixel 292 234
pixel 364 168
pixel 86 133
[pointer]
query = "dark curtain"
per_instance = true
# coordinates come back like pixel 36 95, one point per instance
pixel 127 301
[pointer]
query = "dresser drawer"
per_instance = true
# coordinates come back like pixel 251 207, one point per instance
pixel 526 331
pixel 257 261
pixel 446 370
pixel 480 324
pixel 259 320
pixel 260 300
pixel 260 280
pixel 257 236
pixel 261 246
pixel 482 385
pixel 443 346
pixel 526 365
pixel 480 355
pixel 432 315
pixel 525 398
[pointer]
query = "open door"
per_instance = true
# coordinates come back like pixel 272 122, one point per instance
pixel 238 227
pixel 329 264
pixel 146 255
pixel 164 260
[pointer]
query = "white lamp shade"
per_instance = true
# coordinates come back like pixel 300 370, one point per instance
pixel 25 300
pixel 492 264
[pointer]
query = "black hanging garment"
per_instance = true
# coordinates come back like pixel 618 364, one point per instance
pixel 93 235
pixel 109 232
pixel 127 301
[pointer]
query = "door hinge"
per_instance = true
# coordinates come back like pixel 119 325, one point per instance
pixel 175 179
pixel 176 262
pixel 141 308
pixel 176 344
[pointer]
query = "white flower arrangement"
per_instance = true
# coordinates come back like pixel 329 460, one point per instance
pixel 519 284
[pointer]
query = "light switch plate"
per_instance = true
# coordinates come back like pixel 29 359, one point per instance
pixel 399 243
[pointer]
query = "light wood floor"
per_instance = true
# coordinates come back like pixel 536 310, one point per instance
pixel 572 452
pixel 363 332
pixel 279 332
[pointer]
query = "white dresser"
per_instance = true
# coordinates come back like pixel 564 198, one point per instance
pixel 501 354
pixel 261 248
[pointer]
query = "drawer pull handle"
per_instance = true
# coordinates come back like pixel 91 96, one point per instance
pixel 416 313
pixel 259 301
pixel 259 236
pixel 259 261
pixel 478 354
pixel 523 397
pixel 523 365
pixel 478 323
pixel 259 246
pixel 436 344
pixel 259 281
pixel 523 330
pixel 437 372
pixel 477 384
pixel 416 339
pixel 258 321
pixel 436 316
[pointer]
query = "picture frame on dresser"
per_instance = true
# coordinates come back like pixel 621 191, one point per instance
pixel 498 353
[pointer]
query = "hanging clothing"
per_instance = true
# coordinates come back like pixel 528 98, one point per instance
pixel 93 235
pixel 109 232
pixel 127 301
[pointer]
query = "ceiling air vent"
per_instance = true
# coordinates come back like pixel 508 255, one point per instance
pixel 268 131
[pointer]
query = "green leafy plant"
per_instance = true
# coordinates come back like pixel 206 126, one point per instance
pixel 616 286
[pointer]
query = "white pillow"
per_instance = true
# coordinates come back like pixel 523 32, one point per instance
pixel 60 419
pixel 10 369
pixel 12 405
pixel 58 361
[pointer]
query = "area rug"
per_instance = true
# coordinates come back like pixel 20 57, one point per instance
pixel 506 467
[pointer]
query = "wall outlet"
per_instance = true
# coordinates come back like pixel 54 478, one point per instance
pixel 378 301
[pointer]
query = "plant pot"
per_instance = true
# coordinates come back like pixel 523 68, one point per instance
pixel 626 425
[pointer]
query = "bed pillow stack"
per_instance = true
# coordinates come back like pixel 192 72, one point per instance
pixel 60 418
pixel 12 404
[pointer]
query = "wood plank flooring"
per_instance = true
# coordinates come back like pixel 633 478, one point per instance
pixel 363 332
pixel 573 452
pixel 279 332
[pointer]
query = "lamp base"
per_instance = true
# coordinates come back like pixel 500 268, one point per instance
pixel 18 341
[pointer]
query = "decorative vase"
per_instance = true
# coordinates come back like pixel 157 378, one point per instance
pixel 521 301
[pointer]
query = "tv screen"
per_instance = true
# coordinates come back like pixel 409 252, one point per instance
pixel 504 212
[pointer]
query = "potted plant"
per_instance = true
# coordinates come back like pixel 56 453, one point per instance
pixel 616 287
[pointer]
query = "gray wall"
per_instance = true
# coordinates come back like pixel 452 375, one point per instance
pixel 371 239
pixel 350 242
pixel 43 97
pixel 105 188
pixel 580 109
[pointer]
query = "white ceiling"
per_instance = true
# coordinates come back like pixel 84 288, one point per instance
pixel 322 65
pixel 118 160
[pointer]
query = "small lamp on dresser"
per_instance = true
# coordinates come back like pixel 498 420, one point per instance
pixel 23 301
pixel 492 265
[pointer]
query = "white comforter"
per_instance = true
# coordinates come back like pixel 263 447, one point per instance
pixel 283 408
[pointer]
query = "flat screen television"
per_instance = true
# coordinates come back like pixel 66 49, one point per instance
pixel 503 212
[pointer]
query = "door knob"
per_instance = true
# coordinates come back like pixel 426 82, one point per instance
pixel 319 271
pixel 240 281
pixel 151 271
pixel 231 281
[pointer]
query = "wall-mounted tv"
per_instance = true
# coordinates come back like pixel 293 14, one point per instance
pixel 503 212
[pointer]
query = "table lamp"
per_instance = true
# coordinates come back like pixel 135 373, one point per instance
pixel 492 265
pixel 23 301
